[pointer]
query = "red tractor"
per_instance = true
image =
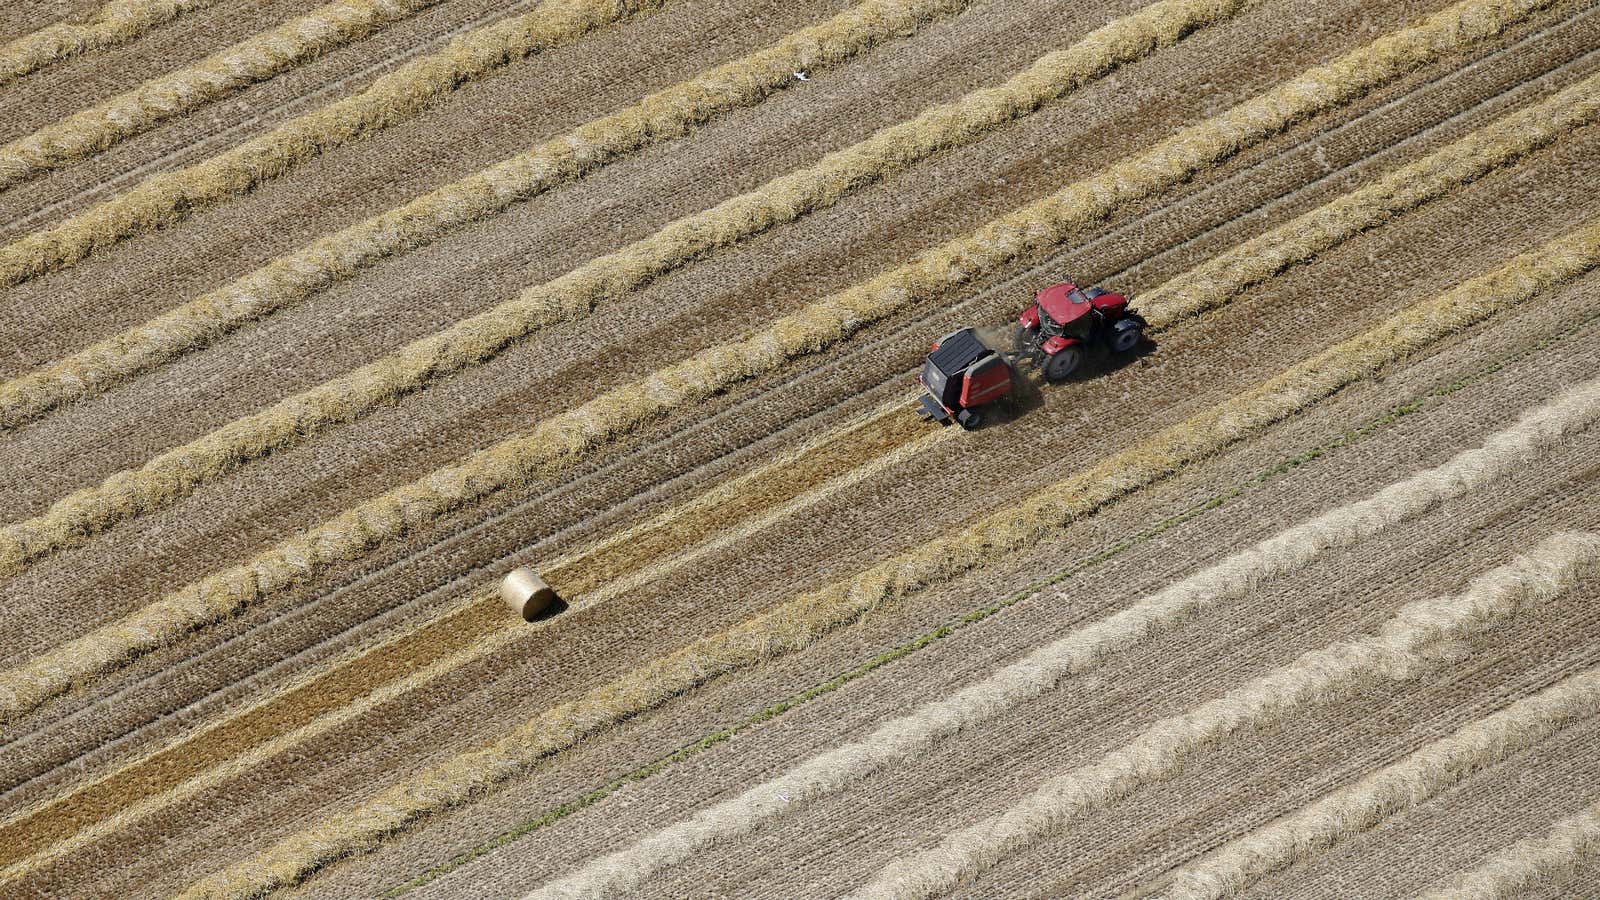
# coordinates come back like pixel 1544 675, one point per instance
pixel 1065 320
pixel 963 374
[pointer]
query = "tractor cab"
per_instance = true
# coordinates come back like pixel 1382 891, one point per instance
pixel 1068 311
pixel 961 375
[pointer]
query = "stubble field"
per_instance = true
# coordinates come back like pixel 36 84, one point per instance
pixel 316 320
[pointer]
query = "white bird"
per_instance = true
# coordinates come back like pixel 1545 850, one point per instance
pixel 801 76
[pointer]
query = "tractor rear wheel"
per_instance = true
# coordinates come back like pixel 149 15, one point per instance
pixel 1125 334
pixel 1060 365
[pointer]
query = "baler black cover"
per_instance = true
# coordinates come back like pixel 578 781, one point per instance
pixel 958 351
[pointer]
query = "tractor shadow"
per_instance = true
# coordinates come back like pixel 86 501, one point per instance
pixel 1030 392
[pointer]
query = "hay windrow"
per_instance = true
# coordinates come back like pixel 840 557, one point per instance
pixel 1025 233
pixel 1493 146
pixel 800 622
pixel 1232 579
pixel 667 114
pixel 162 199
pixel 1404 647
pixel 206 779
pixel 116 22
pixel 168 96
pixel 1426 773
pixel 1547 860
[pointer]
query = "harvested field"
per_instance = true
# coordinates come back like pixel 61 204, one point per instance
pixel 319 318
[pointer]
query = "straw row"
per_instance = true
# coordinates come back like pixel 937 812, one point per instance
pixel 165 198
pixel 667 114
pixel 1496 145
pixel 1404 647
pixel 168 96
pixel 314 704
pixel 178 471
pixel 617 563
pixel 117 22
pixel 1548 860
pixel 1388 792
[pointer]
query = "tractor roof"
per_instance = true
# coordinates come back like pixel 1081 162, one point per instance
pixel 1064 302
pixel 957 351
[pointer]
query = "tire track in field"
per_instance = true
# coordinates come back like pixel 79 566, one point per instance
pixel 478 626
pixel 176 473
pixel 800 622
pixel 225 72
pixel 161 199
pixel 1199 197
pixel 116 22
pixel 1547 860
pixel 1401 649
pixel 1425 773
pixel 1230 580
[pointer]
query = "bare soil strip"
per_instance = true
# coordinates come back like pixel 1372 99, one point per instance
pixel 54 195
pixel 117 22
pixel 178 472
pixel 453 712
pixel 671 534
pixel 662 116
pixel 1424 774
pixel 426 638
pixel 1035 589
pixel 473 629
pixel 477 629
pixel 769 750
pixel 1026 232
pixel 1546 860
pixel 114 442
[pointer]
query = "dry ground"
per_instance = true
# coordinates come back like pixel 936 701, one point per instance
pixel 132 734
